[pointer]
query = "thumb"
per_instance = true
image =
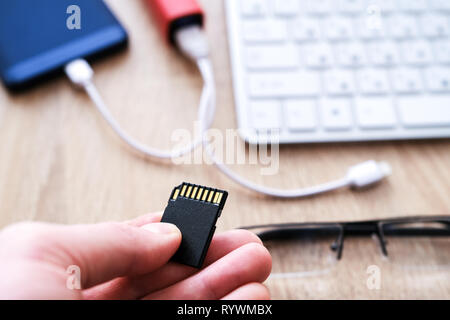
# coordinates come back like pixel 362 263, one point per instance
pixel 110 250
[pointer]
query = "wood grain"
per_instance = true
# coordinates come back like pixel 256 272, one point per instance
pixel 59 162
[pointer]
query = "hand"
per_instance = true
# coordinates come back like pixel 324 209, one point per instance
pixel 127 260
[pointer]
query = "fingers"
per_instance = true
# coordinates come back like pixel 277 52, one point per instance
pixel 145 219
pixel 118 250
pixel 172 273
pixel 251 291
pixel 103 251
pixel 247 264
pixel 137 287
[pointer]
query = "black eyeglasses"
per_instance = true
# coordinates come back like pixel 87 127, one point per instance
pixel 412 240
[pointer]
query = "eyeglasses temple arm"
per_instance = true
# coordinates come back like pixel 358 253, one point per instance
pixel 380 235
pixel 338 244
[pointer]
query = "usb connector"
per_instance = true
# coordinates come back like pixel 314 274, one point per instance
pixel 79 72
pixel 368 173
pixel 192 42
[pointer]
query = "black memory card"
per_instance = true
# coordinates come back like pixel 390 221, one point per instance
pixel 194 210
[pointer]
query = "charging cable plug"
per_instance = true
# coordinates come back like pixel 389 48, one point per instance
pixel 192 42
pixel 368 173
pixel 79 72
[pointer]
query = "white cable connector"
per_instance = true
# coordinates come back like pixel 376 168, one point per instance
pixel 368 173
pixel 80 73
pixel 192 42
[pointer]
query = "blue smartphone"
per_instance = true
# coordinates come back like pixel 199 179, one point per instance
pixel 37 38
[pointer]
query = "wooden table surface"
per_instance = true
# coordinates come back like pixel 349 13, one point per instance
pixel 60 163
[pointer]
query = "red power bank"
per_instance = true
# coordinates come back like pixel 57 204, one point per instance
pixel 172 15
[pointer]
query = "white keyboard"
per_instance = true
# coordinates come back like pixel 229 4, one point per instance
pixel 341 70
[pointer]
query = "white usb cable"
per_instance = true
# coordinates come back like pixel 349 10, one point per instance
pixel 192 42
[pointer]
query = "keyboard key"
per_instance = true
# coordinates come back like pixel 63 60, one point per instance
pixel 407 81
pixel 438 79
pixel 435 25
pixel 300 115
pixel 373 81
pixel 351 55
pixel 417 53
pixel 284 84
pixel 319 7
pixel 338 28
pixel 384 6
pixel 336 114
pixel 318 55
pixel 403 27
pixel 266 115
pixel 339 83
pixel 370 28
pixel 271 57
pixel 253 8
pixel 374 16
pixel 375 113
pixel 286 7
pixel 383 54
pixel 414 6
pixel 442 51
pixel 351 6
pixel 425 111
pixel 264 31
pixel 306 29
pixel 440 5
